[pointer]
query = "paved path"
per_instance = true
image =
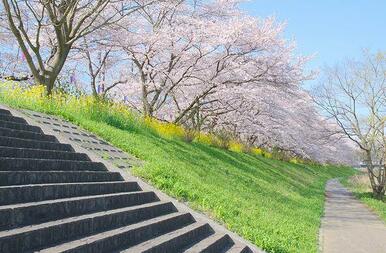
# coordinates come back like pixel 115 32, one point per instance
pixel 348 225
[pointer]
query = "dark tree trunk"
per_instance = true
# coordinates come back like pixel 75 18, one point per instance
pixel 379 192
pixel 377 185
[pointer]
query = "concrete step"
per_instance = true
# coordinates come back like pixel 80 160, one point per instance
pixel 216 243
pixel 13 119
pixel 50 177
pixel 113 240
pixel 239 248
pixel 41 153
pixel 36 237
pixel 30 164
pixel 24 143
pixel 41 192
pixel 174 241
pixel 6 112
pixel 17 215
pixel 18 126
pixel 26 135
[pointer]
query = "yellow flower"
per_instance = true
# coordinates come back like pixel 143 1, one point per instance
pixel 236 146
pixel 257 151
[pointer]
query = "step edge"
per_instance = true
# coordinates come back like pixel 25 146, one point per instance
pixel 36 227
pixel 111 233
pixel 69 184
pixel 45 202
pixel 207 242
pixel 32 140
pixel 157 241
pixel 42 150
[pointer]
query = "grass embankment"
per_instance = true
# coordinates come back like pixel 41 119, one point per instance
pixel 276 205
pixel 360 186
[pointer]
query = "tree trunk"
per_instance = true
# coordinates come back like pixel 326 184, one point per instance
pixel 49 83
pixel 377 187
pixel 45 81
pixel 93 88
pixel 147 110
pixel 54 67
pixel 379 192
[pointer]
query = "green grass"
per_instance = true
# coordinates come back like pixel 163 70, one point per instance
pixel 360 187
pixel 274 204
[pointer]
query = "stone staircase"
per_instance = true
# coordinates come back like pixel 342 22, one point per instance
pixel 53 199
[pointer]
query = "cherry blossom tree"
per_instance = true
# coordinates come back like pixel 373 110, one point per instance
pixel 47 30
pixel 183 56
pixel 103 65
pixel 287 122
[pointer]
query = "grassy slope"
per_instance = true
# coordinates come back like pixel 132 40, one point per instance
pixel 276 205
pixel 363 192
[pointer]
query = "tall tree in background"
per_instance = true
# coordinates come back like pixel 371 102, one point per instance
pixel 46 30
pixel 190 59
pixel 354 95
pixel 105 65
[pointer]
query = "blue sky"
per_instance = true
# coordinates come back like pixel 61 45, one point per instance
pixel 333 29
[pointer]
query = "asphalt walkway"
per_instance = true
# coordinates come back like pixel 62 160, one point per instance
pixel 348 225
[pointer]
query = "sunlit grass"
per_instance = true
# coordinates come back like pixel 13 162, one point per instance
pixel 276 205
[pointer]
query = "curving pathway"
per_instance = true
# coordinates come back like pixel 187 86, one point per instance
pixel 348 225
